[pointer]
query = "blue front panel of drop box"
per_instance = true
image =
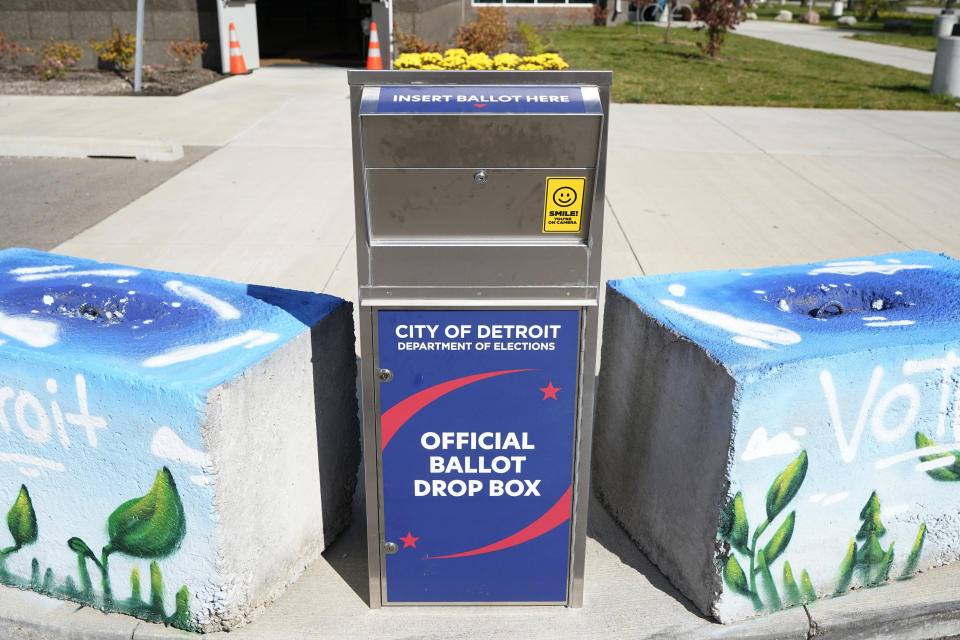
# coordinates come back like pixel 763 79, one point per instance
pixel 481 547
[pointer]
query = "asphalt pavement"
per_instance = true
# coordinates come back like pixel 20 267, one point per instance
pixel 47 201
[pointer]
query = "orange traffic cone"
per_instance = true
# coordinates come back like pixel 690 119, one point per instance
pixel 374 61
pixel 237 65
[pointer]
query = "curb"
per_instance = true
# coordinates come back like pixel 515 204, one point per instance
pixel 67 147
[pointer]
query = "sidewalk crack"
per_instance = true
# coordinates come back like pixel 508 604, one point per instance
pixel 813 630
pixel 616 219
pixel 134 632
pixel 336 265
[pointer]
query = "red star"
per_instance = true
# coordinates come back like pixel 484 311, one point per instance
pixel 409 541
pixel 550 391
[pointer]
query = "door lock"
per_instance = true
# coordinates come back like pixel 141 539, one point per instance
pixel 390 548
pixel 384 375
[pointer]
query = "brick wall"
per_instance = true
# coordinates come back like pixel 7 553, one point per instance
pixel 31 22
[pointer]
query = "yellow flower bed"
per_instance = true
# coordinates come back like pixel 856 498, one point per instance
pixel 460 59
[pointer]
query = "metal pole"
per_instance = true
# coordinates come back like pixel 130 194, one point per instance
pixel 138 64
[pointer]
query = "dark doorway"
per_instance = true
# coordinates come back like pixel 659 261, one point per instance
pixel 325 31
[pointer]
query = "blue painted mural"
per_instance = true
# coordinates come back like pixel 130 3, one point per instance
pixel 104 371
pixel 846 419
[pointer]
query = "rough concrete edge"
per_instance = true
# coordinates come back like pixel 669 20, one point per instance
pixel 664 561
pixel 330 390
pixel 247 600
pixel 150 150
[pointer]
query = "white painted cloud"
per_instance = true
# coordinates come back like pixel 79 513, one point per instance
pixel 20 458
pixel 757 331
pixel 751 342
pixel 33 333
pixel 167 444
pixel 221 307
pixel 201 480
pixel 864 266
pixel 266 338
pixel 891 323
pixel 184 354
pixel 817 497
pixel 760 446
pixel 29 472
pixel 677 290
pixel 836 497
pixel 30 277
pixel 47 269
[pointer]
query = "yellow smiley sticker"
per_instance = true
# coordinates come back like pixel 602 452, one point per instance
pixel 563 205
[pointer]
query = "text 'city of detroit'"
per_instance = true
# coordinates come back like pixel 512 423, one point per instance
pixel 480 331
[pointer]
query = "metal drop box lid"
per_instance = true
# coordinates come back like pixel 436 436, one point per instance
pixel 459 166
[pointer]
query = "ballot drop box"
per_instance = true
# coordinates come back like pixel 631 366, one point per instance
pixel 479 212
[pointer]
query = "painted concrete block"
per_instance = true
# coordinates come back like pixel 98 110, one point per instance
pixel 172 447
pixel 772 437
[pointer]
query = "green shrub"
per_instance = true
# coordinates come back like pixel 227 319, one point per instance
pixel 11 50
pixel 487 33
pixel 535 44
pixel 184 51
pixel 412 43
pixel 57 58
pixel 119 49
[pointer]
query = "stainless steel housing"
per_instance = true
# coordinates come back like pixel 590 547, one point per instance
pixel 449 214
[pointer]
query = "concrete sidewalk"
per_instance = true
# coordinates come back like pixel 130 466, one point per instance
pixel 830 40
pixel 687 188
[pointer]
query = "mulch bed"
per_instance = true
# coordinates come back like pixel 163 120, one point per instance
pixel 92 82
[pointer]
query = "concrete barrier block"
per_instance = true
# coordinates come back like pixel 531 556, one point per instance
pixel 775 436
pixel 173 447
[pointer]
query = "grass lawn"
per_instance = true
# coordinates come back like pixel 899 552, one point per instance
pixel 924 43
pixel 752 72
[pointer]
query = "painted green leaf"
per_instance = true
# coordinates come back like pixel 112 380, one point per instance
pixel 156 588
pixel 914 558
pixel 778 543
pixel 152 526
pixel 766 579
pixel 870 554
pixel 734 527
pixel 950 473
pixel 22 520
pixel 846 567
pixel 786 486
pixel 79 546
pixel 791 592
pixel 49 581
pixel 735 578
pixel 806 587
pixel 884 569
pixel 870 514
pixel 135 585
pixel 181 615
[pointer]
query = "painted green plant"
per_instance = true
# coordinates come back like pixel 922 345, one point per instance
pixel 950 472
pixel 868 559
pixel 22 523
pixel 735 529
pixel 151 526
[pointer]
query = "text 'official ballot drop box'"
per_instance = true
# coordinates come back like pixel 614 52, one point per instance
pixel 479 204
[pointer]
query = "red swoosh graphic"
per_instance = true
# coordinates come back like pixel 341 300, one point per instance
pixel 479 106
pixel 397 415
pixel 553 518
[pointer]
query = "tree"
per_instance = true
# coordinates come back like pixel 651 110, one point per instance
pixel 719 16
